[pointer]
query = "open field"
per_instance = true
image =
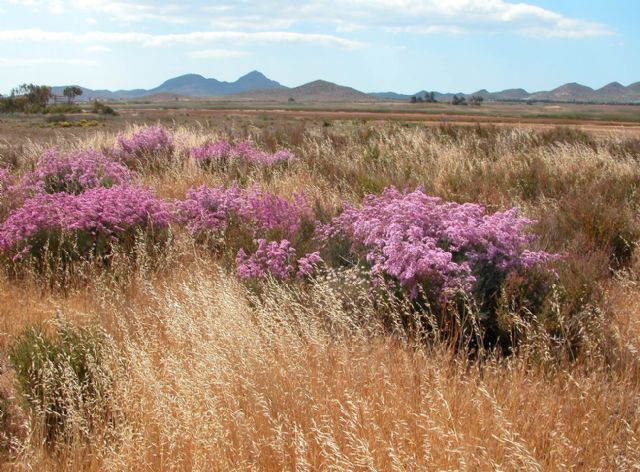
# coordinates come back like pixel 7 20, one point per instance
pixel 162 348
pixel 595 119
pixel 510 111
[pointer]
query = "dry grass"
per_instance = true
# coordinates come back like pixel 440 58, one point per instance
pixel 206 373
pixel 209 378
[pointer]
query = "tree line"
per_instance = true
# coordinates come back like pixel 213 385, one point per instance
pixel 31 98
pixel 458 99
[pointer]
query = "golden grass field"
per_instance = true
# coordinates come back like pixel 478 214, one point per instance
pixel 196 370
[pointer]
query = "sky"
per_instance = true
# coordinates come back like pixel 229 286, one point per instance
pixel 371 45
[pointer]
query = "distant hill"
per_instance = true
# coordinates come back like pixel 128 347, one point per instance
pixel 194 85
pixel 391 96
pixel 316 91
pixel 511 94
pixel 614 92
pixel 567 93
pixel 190 85
pixel 256 86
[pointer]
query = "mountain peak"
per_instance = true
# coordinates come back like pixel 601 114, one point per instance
pixel 613 86
pixel 254 74
pixel 254 80
pixel 189 76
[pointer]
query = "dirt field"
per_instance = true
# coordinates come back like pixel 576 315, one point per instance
pixel 601 120
pixel 628 128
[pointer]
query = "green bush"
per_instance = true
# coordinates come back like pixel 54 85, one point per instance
pixel 63 108
pixel 102 109
pixel 63 378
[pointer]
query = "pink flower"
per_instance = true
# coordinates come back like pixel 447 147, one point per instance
pixel 275 258
pixel 222 152
pixel 105 212
pixel 419 240
pixel 215 209
pixel 144 143
pixel 74 172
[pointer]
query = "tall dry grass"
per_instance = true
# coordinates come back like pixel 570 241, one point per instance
pixel 206 376
pixel 201 372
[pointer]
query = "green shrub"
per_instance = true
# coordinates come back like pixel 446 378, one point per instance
pixel 102 109
pixel 63 108
pixel 64 378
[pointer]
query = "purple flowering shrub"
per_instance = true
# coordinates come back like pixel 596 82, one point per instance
pixel 270 227
pixel 215 153
pixel 437 250
pixel 222 154
pixel 84 225
pixel 74 172
pixel 277 259
pixel 148 146
pixel 254 212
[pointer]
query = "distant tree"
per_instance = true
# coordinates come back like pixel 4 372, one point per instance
pixel 101 108
pixel 72 92
pixel 476 100
pixel 291 99
pixel 459 100
pixel 36 95
pixel 430 97
pixel 414 99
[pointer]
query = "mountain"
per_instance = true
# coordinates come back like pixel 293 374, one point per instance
pixel 614 92
pixel 316 91
pixel 191 85
pixel 511 94
pixel 484 93
pixel 390 96
pixel 194 85
pixel 572 92
pixel 256 86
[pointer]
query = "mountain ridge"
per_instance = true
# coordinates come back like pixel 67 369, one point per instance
pixel 255 85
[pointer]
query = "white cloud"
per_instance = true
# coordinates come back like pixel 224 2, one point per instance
pixel 132 12
pixel 196 37
pixel 98 48
pixel 282 20
pixel 216 53
pixel 252 22
pixel 121 11
pixel 56 7
pixel 415 16
pixel 38 61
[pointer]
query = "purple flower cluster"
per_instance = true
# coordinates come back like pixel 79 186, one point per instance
pixel 145 142
pixel 222 152
pixel 423 242
pixel 98 213
pixel 277 259
pixel 214 209
pixel 74 172
pixel 217 152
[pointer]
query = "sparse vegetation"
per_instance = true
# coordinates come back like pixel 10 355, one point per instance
pixel 368 299
pixel 102 109
pixel 459 100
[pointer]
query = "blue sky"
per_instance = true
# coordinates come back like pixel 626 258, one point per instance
pixel 372 45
